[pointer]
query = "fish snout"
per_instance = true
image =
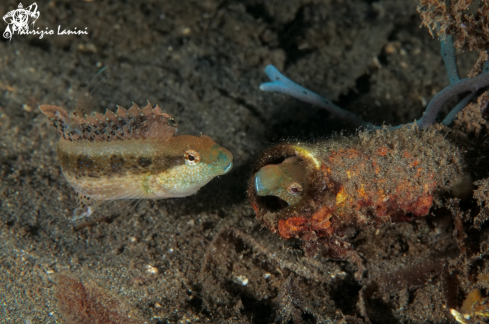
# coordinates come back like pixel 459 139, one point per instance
pixel 259 187
pixel 228 167
pixel 225 160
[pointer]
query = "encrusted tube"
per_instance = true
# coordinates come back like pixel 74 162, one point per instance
pixel 351 183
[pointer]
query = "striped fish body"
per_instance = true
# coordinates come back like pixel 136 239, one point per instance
pixel 133 154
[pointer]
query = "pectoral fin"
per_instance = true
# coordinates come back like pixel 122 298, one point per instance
pixel 85 207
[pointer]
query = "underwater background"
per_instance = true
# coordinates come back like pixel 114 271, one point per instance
pixel 205 258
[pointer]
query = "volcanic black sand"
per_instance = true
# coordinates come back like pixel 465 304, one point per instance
pixel 205 258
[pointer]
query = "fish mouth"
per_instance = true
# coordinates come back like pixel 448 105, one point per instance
pixel 258 185
pixel 228 167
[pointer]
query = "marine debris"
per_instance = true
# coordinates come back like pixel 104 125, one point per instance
pixel 474 306
pixel 351 183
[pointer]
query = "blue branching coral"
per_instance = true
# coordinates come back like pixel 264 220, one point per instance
pixel 280 83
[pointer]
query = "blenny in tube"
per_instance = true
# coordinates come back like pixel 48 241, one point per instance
pixel 132 154
pixel 321 192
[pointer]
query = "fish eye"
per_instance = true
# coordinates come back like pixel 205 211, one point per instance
pixel 192 157
pixel 294 188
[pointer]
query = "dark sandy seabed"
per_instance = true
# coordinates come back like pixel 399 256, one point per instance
pixel 186 260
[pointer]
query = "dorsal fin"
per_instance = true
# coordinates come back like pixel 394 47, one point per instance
pixel 134 123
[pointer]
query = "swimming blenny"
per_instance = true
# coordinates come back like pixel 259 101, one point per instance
pixel 132 154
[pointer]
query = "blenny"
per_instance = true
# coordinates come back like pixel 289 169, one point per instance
pixel 132 154
pixel 321 192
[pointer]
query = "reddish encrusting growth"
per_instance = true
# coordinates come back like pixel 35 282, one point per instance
pixel 358 183
pixel 319 223
pixel 406 196
pixel 87 303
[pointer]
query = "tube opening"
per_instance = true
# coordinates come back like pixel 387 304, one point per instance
pixel 280 182
pixel 287 181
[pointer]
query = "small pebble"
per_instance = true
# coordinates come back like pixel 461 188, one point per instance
pixel 241 280
pixel 151 269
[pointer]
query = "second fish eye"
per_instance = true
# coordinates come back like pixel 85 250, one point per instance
pixel 192 157
pixel 295 188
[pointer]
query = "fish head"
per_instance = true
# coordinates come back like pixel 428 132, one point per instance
pixel 195 161
pixel 285 180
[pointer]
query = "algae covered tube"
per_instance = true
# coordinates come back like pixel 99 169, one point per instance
pixel 319 192
pixel 132 154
